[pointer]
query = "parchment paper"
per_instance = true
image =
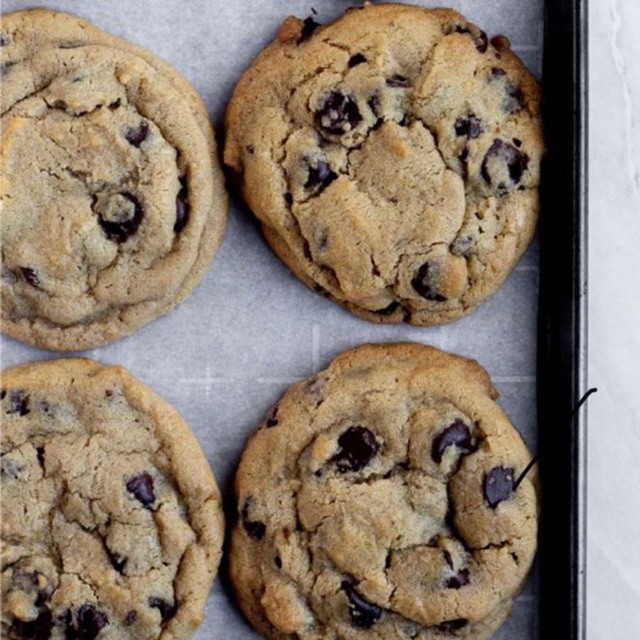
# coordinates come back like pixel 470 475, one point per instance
pixel 251 328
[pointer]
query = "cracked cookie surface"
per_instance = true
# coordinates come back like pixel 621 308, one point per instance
pixel 113 203
pixel 112 524
pixel 392 157
pixel 379 499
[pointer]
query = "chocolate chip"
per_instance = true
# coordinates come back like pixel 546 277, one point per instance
pixel 308 27
pixel 470 127
pixel 19 403
pixel 3 394
pixel 320 176
pixel 517 142
pixel 450 626
pixel 479 37
pixel 374 104
pixel 278 562
pixel 167 610
pixel 42 596
pixel 459 580
pixel 498 485
pixel 272 420
pixel 122 217
pixel 498 72
pixel 90 621
pixel 40 455
pixel 364 614
pixel 358 446
pixel 131 617
pixel 422 283
pixel 447 556
pixel 137 135
pixel 10 469
pixel 118 562
pixel 355 60
pixel 389 309
pixel 515 100
pixel 254 528
pixel 38 629
pixel 288 198
pixel 502 152
pixel 142 488
pixel 182 208
pixel 456 434
pixel 338 113
pixel 31 277
pixel 250 149
pixel 397 81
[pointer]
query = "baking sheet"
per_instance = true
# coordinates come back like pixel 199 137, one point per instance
pixel 251 329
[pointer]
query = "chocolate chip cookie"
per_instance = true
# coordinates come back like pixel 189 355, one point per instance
pixel 392 158
pixel 112 524
pixel 384 498
pixel 113 200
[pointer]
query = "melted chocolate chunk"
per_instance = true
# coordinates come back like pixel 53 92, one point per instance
pixel 358 446
pixel 90 621
pixel 338 113
pixel 254 528
pixel 142 488
pixel 498 485
pixel 320 176
pixel 388 310
pixel 31 277
pixel 19 403
pixel 422 283
pixel 516 100
pixel 167 610
pixel 456 434
pixel 308 27
pixel 136 136
pixel 452 625
pixel 38 629
pixel 355 60
pixel 470 127
pixel 364 614
pixel 503 152
pixel 396 81
pixel 182 207
pixel 479 37
pixel 123 222
pixel 459 580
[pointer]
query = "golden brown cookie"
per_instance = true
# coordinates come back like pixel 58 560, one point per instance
pixel 380 499
pixel 392 157
pixel 112 524
pixel 113 203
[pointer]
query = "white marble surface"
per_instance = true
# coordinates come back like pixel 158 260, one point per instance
pixel 613 518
